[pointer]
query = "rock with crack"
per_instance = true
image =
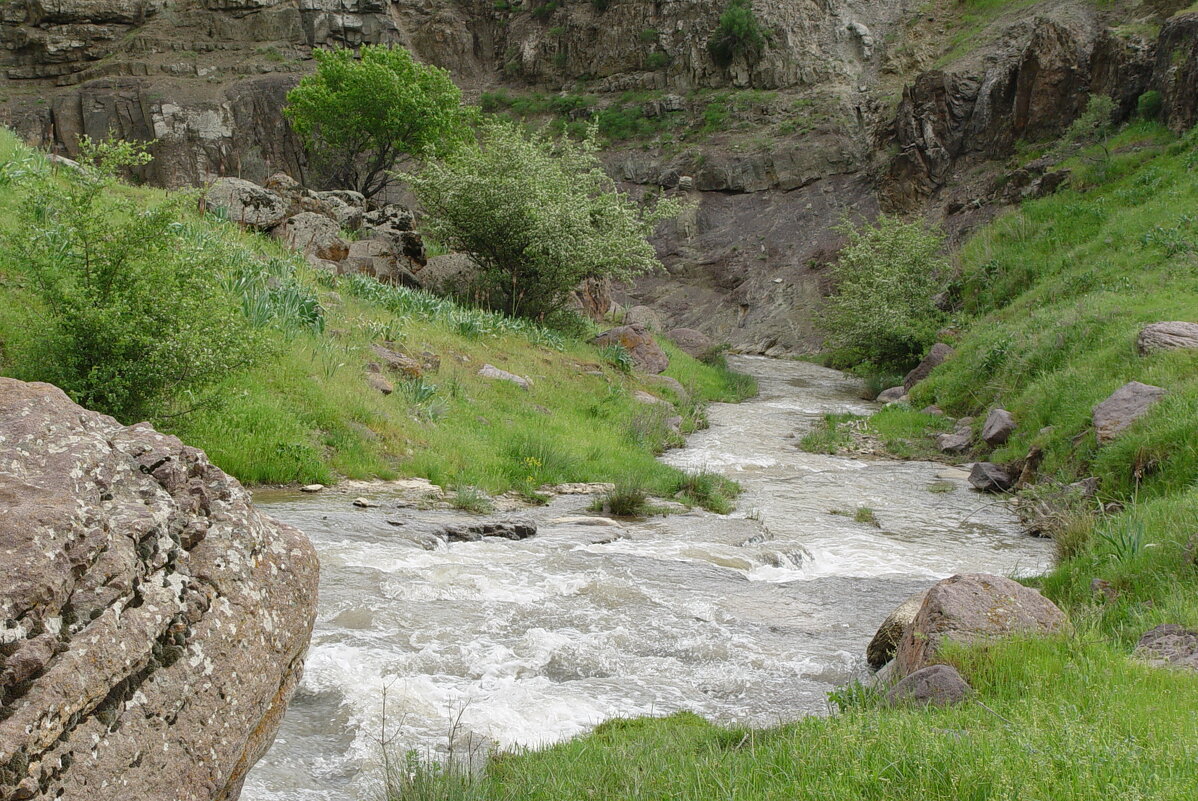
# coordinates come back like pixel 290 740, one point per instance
pixel 881 648
pixel 1167 336
pixel 990 477
pixel 1170 645
pixel 313 235
pixel 1125 405
pixel 998 428
pixel 153 622
pixel 972 608
pixel 938 355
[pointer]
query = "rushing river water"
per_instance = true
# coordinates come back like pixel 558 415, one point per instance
pixel 752 618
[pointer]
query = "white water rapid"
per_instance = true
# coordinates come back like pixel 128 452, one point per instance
pixel 752 618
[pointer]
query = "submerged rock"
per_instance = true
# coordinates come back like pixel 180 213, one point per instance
pixel 507 529
pixel 971 608
pixel 154 623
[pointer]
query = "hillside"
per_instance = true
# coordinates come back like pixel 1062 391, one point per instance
pixel 307 412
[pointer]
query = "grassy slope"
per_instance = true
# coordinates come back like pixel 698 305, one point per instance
pixel 1055 293
pixel 305 413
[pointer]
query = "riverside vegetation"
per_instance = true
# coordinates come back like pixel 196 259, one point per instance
pixel 1047 301
pixel 281 396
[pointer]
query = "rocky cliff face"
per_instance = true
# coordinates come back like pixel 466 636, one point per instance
pixel 153 625
pixel 897 104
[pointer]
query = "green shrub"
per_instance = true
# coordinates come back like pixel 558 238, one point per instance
pixel 538 216
pixel 658 60
pixel 1149 105
pixel 626 499
pixel 886 277
pixel 738 34
pixel 134 316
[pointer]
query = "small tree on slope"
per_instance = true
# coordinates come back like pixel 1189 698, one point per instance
pixel 538 216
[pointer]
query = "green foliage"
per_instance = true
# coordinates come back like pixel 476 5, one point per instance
pixel 471 499
pixel 1092 126
pixel 707 489
pixel 886 277
pixel 131 315
pixel 627 498
pixel 359 116
pixel 538 216
pixel 1149 105
pixel 738 34
pixel 657 60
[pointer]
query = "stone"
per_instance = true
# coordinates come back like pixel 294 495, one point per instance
pixel 643 315
pixel 396 225
pixel 999 426
pixel 671 384
pixel 398 362
pixel 691 341
pixel 378 383
pixel 989 477
pixel 346 207
pixel 246 203
pixel 955 443
pixel 934 685
pixel 647 355
pixel 495 374
pixel 938 355
pixel 892 395
pixel 313 235
pixel 448 274
pixel 640 396
pixel 154 623
pixel 378 259
pixel 1167 336
pixel 1124 406
pixel 506 529
pixel 366 503
pixel 881 648
pixel 1170 645
pixel 934 410
pixel 312 488
pixel 972 608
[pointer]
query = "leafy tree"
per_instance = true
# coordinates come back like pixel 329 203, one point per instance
pixel 738 34
pixel 886 277
pixel 538 216
pixel 358 117
pixel 1092 126
pixel 133 311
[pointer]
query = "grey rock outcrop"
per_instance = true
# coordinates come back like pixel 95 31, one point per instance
pixel 504 529
pixel 934 685
pixel 938 355
pixel 1167 336
pixel 246 203
pixel 153 624
pixel 643 315
pixel 646 355
pixel 971 608
pixel 1125 406
pixel 892 395
pixel 998 428
pixel 882 647
pixel 313 235
pixel 495 374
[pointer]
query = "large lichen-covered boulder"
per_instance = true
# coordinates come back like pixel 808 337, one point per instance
pixel 1125 406
pixel 972 608
pixel 646 355
pixel 153 624
pixel 1173 335
pixel 881 648
pixel 313 235
pixel 246 203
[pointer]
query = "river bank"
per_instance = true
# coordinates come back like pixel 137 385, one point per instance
pixel 749 619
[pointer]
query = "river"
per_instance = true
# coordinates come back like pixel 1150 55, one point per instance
pixel 750 618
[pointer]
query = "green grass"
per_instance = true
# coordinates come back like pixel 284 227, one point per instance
pixel 305 413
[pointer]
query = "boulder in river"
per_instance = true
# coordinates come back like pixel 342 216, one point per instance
pixel 990 477
pixel 1125 405
pixel 938 355
pixel 998 428
pixel 971 608
pixel 934 685
pixel 646 355
pixel 506 529
pixel 881 648
pixel 153 623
